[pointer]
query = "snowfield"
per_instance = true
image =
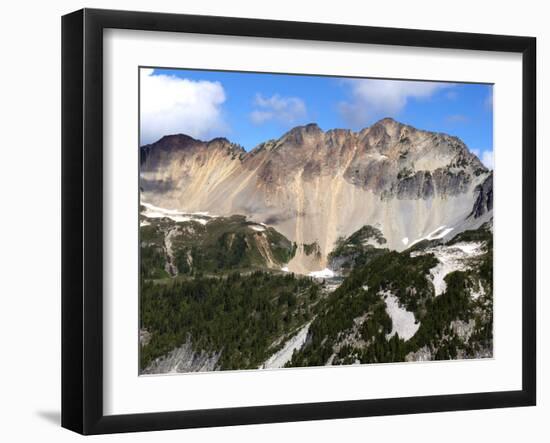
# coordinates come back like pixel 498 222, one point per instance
pixel 451 258
pixel 257 228
pixel 280 358
pixel 469 248
pixel 152 211
pixel 440 232
pixel 324 273
pixel 403 322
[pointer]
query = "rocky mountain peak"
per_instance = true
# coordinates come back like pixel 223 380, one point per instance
pixel 176 141
pixel 224 144
pixel 389 124
pixel 299 134
pixel 315 186
pixel 185 145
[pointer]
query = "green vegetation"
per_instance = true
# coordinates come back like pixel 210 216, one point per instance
pixel 152 256
pixel 239 315
pixel 357 250
pixel 227 301
pixel 230 244
pixel 359 295
pixel 224 244
pixel 312 248
pixel 484 234
pixel 353 324
pixel 359 238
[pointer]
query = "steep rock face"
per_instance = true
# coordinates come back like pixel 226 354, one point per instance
pixel 484 200
pixel 316 186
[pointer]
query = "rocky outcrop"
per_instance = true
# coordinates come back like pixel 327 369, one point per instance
pixel 484 200
pixel 317 186
pixel 423 354
pixel 359 248
pixel 184 359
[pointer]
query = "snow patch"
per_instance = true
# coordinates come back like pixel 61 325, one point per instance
pixel 284 355
pixel 324 273
pixel 144 223
pixel 468 248
pixel 152 211
pixel 480 292
pixel 403 322
pixel 257 228
pixel 405 240
pixel 451 258
pixel 440 232
pixel 285 269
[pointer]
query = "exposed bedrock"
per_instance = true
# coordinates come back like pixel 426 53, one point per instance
pixel 317 186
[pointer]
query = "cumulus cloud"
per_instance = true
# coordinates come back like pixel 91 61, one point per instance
pixel 488 102
pixel 173 105
pixel 488 159
pixel 287 110
pixel 372 99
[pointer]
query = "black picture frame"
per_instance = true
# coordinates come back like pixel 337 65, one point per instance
pixel 82 218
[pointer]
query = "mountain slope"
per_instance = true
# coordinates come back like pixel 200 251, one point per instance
pixel 315 187
pixel 175 243
pixel 433 303
pixel 234 321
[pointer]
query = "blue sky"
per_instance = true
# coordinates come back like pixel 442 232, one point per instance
pixel 249 108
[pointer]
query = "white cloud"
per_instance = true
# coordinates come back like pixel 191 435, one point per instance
pixel 372 99
pixel 488 159
pixel 488 102
pixel 172 105
pixel 485 156
pixel 286 110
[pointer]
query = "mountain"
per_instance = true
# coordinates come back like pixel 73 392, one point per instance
pixel 358 249
pixel 175 243
pixel 315 187
pixel 432 301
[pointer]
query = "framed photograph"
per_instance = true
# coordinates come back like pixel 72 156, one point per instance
pixel 270 221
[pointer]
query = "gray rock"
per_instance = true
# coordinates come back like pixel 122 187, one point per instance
pixel 184 359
